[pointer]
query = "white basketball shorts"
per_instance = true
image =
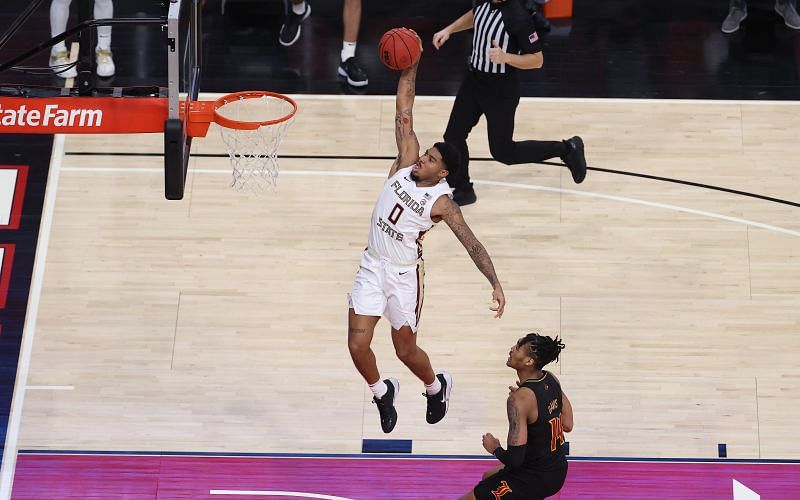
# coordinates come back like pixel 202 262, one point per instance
pixel 391 290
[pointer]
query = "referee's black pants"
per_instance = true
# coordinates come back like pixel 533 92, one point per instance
pixel 497 97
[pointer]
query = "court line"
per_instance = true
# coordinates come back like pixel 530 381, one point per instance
pixel 29 329
pixel 50 388
pixel 588 100
pixel 277 494
pixel 391 456
pixel 532 187
pixel 551 163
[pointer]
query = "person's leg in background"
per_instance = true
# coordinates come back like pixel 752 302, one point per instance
pixel 296 12
pixel 500 117
pixel 737 12
pixel 104 9
pixel 463 117
pixel 349 67
pixel 59 55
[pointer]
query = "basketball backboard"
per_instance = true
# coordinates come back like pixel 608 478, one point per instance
pixel 184 37
pixel 149 112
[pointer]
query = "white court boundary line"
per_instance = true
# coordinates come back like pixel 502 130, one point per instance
pixel 29 329
pixel 515 185
pixel 370 456
pixel 269 493
pixel 50 388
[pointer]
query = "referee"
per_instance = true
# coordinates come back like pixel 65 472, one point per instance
pixel 504 41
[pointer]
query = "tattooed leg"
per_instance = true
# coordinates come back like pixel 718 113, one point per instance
pixel 359 337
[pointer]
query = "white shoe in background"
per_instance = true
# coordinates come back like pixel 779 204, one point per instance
pixel 105 63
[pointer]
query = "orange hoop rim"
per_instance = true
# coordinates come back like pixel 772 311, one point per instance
pixel 250 94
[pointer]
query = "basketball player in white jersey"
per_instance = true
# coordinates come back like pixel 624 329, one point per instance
pixel 389 280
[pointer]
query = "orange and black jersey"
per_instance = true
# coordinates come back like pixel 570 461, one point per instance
pixel 545 446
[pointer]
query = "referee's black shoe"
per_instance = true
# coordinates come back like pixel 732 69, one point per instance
pixel 439 403
pixel 464 195
pixel 574 159
pixel 386 405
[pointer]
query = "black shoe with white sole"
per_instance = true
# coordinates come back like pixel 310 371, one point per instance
pixel 439 403
pixel 351 70
pixel 290 30
pixel 386 405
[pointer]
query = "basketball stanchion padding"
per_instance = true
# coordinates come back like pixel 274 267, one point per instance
pixel 252 124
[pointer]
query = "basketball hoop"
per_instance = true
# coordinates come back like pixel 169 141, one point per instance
pixel 252 125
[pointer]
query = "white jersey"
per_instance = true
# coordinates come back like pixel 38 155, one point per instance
pixel 402 216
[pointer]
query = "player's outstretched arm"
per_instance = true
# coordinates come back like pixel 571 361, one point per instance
pixel 450 212
pixel 407 142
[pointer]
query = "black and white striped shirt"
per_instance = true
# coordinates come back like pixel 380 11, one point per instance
pixel 507 22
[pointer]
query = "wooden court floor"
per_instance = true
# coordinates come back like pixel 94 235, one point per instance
pixel 217 323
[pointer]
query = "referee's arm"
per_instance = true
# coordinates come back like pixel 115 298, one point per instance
pixel 465 22
pixel 520 61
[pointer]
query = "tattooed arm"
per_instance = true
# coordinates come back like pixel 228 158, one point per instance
pixel 519 407
pixel 407 143
pixel 446 209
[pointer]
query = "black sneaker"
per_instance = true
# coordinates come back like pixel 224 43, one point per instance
pixel 290 30
pixel 439 403
pixel 353 72
pixel 575 159
pixel 386 405
pixel 464 195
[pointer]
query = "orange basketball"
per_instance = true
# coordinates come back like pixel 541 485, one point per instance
pixel 399 48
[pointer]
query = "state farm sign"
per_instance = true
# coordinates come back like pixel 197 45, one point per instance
pixel 82 115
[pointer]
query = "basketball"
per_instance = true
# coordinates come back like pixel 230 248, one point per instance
pixel 399 48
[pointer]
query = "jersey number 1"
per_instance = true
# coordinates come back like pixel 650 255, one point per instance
pixel 556 432
pixel 395 214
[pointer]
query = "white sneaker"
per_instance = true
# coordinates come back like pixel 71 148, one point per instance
pixel 105 63
pixel 59 61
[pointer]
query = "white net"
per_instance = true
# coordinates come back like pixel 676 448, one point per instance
pixel 254 153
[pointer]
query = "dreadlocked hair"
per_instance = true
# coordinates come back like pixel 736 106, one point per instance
pixel 542 348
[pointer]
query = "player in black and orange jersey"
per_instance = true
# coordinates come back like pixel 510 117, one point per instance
pixel 539 413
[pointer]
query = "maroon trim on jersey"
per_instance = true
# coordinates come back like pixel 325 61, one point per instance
pixel 419 242
pixel 420 292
